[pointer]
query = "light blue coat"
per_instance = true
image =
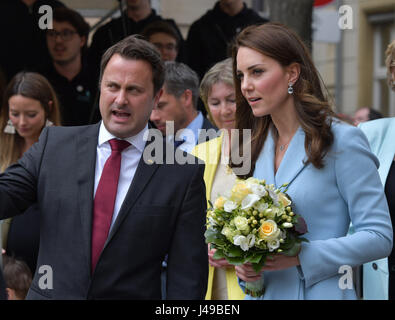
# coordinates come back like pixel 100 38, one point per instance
pixel 381 137
pixel 347 189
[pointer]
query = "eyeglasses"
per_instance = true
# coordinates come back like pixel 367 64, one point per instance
pixel 65 35
pixel 168 46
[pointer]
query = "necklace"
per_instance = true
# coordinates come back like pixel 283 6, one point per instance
pixel 283 146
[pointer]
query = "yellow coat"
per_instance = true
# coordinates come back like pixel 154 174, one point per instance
pixel 210 153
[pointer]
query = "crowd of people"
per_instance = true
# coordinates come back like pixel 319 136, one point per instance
pixel 84 191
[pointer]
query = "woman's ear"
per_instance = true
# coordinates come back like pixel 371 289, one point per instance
pixel 293 71
pixel 50 105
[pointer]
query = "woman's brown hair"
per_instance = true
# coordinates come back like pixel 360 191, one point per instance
pixel 312 107
pixel 30 85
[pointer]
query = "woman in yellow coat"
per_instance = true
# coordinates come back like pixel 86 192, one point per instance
pixel 217 93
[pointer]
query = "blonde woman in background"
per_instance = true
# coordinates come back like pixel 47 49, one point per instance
pixel 29 105
pixel 217 93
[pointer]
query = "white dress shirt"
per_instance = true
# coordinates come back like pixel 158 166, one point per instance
pixel 130 159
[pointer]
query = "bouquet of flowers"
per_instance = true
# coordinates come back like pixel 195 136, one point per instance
pixel 252 222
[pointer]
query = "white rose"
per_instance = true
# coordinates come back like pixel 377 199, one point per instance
pixel 287 225
pixel 229 206
pixel 244 242
pixel 249 201
pixel 241 223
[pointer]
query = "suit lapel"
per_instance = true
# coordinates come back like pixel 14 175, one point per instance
pixel 293 160
pixel 86 163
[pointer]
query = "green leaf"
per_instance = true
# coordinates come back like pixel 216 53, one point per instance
pixel 235 252
pixel 255 257
pixel 219 254
pixel 235 260
pixel 210 235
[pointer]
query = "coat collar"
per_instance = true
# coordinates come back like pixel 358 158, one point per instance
pixel 291 165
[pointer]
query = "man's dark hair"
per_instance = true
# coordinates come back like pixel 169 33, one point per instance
pixel 17 276
pixel 74 18
pixel 179 77
pixel 374 114
pixel 135 48
pixel 161 26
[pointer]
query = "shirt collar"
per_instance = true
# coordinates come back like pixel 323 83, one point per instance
pixel 137 140
pixel 194 126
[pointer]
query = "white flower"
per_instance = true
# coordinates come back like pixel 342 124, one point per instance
pixel 272 193
pixel 249 201
pixel 261 207
pixel 259 190
pixel 229 206
pixel 287 225
pixel 241 223
pixel 273 244
pixel 244 242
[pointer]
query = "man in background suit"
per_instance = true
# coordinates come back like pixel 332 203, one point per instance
pixel 101 248
pixel 178 104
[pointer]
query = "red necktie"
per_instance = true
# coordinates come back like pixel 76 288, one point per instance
pixel 106 193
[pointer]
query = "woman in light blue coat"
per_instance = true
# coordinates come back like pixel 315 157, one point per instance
pixel 331 174
pixel 379 276
pixel 381 136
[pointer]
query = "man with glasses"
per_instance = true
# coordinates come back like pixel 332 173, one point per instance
pixel 68 71
pixel 165 37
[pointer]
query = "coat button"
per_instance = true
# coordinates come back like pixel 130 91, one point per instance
pixel 374 265
pixel 393 268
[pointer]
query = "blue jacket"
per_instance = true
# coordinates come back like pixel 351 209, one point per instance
pixel 380 134
pixel 347 189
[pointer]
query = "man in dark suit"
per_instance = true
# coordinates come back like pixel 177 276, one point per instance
pixel 176 114
pixel 109 213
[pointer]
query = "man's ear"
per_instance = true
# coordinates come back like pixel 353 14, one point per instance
pixel 293 71
pixel 83 41
pixel 187 97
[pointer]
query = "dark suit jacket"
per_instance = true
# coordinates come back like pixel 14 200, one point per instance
pixel 163 212
pixel 3 293
pixel 207 125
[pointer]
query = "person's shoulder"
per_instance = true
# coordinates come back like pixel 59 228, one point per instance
pixel 208 145
pixel 254 17
pixel 377 125
pixel 204 19
pixel 109 26
pixel 341 128
pixel 73 131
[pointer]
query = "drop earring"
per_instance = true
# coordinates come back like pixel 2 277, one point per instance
pixel 9 128
pixel 290 89
pixel 48 123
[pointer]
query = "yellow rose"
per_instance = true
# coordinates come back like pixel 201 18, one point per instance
pixel 268 230
pixel 283 199
pixel 239 191
pixel 219 203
